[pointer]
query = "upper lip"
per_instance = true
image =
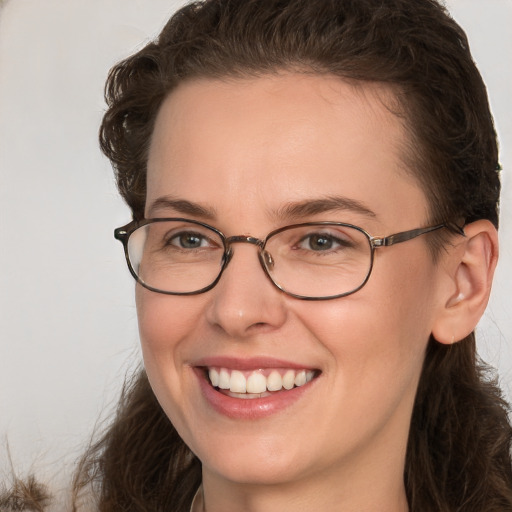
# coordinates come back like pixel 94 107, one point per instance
pixel 251 363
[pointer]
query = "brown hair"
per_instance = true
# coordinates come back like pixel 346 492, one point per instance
pixel 458 455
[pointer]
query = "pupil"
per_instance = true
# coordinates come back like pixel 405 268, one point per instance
pixel 190 241
pixel 320 242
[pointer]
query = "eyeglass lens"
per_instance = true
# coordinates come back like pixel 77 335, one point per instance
pixel 311 261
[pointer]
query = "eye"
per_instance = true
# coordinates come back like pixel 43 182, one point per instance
pixel 320 242
pixel 189 240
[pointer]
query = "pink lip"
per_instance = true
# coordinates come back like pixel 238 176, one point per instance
pixel 248 409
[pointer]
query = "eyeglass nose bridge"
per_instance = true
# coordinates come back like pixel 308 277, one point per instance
pixel 244 239
pixel 266 260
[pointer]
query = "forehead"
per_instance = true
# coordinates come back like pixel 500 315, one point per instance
pixel 273 139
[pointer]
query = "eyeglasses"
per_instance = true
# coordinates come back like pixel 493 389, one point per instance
pixel 311 261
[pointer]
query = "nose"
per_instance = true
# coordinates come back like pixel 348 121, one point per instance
pixel 245 302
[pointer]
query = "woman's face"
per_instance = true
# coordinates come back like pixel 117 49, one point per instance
pixel 249 156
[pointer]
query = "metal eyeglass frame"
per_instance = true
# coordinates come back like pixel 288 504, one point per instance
pixel 123 234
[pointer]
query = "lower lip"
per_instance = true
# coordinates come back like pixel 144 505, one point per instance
pixel 252 408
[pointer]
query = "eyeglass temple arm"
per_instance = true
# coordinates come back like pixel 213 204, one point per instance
pixel 403 236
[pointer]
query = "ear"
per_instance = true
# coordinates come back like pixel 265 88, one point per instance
pixel 470 268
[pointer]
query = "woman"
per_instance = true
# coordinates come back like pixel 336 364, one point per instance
pixel 314 188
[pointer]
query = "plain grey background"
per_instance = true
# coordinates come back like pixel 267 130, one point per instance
pixel 68 330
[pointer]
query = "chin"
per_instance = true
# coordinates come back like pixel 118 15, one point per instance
pixel 249 457
pixel 265 469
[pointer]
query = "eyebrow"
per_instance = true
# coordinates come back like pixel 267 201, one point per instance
pixel 181 206
pixel 289 211
pixel 311 207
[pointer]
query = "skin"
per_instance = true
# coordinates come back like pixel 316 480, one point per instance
pixel 243 149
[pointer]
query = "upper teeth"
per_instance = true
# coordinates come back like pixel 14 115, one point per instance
pixel 256 381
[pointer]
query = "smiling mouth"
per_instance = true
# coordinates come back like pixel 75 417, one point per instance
pixel 257 383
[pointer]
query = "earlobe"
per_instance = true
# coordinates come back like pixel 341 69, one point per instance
pixel 472 263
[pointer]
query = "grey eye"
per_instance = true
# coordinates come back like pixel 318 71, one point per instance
pixel 319 242
pixel 188 240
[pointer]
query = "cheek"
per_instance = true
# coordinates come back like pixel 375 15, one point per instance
pixel 164 320
pixel 381 332
pixel 164 323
